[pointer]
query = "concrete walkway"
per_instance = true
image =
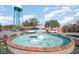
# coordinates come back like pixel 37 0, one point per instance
pixel 4 32
pixel 71 33
pixel 76 51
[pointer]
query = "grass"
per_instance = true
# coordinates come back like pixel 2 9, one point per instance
pixel 4 49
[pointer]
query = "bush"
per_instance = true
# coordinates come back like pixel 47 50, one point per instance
pixel 4 36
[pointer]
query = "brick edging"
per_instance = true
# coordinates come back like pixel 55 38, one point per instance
pixel 36 49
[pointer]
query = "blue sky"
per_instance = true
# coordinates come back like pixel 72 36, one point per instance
pixel 62 13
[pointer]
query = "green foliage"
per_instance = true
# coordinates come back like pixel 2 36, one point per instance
pixel 11 27
pixel 2 45
pixel 32 22
pixel 5 36
pixel 52 23
pixel 0 26
pixel 26 23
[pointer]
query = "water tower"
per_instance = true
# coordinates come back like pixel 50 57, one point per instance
pixel 17 16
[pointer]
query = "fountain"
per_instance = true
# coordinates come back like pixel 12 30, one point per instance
pixel 40 42
pixel 40 37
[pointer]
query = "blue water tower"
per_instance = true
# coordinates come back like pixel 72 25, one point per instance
pixel 17 16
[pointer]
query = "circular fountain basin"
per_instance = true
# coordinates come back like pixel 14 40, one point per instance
pixel 40 43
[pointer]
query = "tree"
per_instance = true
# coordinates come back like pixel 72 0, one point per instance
pixel 52 23
pixel 26 23
pixel 0 26
pixel 32 22
pixel 72 27
pixel 76 21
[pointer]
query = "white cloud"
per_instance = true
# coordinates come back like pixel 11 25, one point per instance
pixel 27 17
pixel 46 9
pixel 67 20
pixel 5 20
pixel 65 7
pixel 5 17
pixel 48 16
pixel 57 12
pixel 77 14
pixel 53 14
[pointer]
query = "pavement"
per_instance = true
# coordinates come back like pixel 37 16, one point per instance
pixel 76 50
pixel 71 33
pixel 5 32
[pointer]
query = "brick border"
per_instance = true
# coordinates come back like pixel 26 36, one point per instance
pixel 36 49
pixel 3 39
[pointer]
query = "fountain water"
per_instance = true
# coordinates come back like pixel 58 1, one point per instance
pixel 39 37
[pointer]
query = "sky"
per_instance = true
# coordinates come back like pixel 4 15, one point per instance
pixel 62 13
